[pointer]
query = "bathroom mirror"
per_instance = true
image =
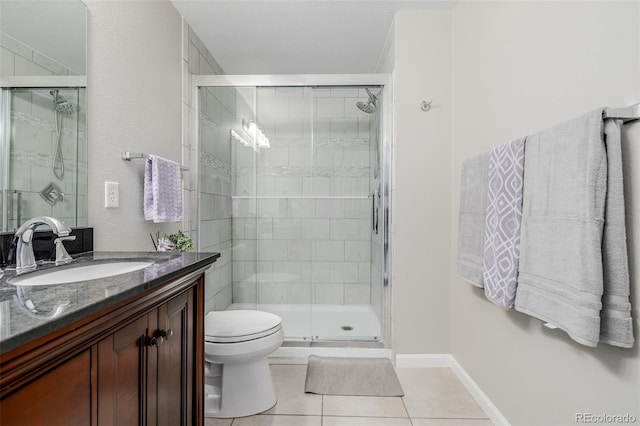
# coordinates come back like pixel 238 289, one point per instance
pixel 43 136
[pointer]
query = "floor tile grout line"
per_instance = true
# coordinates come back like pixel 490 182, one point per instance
pixel 378 417
pixel 406 410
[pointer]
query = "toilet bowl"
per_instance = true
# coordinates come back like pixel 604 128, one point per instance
pixel 238 381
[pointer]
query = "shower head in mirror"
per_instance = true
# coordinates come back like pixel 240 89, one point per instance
pixel 370 106
pixel 62 105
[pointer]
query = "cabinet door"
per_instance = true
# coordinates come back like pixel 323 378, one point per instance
pixel 175 361
pixel 122 375
pixel 62 396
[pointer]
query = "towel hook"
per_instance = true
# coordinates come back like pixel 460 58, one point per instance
pixel 425 106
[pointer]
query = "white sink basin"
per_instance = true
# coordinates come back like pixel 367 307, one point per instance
pixel 83 272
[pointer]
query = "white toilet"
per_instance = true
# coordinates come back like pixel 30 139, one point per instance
pixel 238 381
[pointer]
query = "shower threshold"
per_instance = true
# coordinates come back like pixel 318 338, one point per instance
pixel 334 324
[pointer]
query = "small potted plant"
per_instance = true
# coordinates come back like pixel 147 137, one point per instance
pixel 179 242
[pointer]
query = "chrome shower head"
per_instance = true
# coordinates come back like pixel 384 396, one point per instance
pixel 62 105
pixel 67 108
pixel 369 107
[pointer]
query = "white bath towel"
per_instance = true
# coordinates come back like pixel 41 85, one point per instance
pixel 502 228
pixel 162 190
pixel 616 326
pixel 471 219
pixel 565 186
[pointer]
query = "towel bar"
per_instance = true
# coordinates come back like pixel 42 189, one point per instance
pixel 630 113
pixel 128 156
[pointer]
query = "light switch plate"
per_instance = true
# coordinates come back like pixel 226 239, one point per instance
pixel 111 195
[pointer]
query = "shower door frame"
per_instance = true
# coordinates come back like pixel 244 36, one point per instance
pixel 386 145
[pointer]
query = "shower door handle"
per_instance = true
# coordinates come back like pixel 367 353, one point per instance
pixel 5 210
pixel 18 209
pixel 375 209
pixel 8 204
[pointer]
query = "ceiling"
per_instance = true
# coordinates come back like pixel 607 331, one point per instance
pixel 296 36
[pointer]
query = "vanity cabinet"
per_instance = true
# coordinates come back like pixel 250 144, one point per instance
pixel 61 396
pixel 144 371
pixel 139 362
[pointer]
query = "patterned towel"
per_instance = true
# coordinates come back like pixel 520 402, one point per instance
pixel 162 190
pixel 502 228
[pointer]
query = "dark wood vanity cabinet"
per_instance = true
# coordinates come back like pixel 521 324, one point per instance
pixel 144 371
pixel 61 396
pixel 139 364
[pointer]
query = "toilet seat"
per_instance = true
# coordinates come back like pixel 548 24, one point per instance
pixel 240 326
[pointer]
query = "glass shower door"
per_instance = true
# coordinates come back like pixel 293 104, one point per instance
pixel 43 154
pixel 342 255
pixel 285 207
pixel 299 169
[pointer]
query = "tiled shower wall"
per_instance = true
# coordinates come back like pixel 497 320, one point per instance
pixel 212 167
pixel 33 140
pixel 306 235
pixel 33 146
pixel 16 58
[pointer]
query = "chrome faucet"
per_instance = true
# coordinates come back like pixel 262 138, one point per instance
pixel 25 259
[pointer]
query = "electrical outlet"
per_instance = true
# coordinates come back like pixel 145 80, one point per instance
pixel 111 195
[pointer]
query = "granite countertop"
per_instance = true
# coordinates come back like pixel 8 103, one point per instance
pixel 30 312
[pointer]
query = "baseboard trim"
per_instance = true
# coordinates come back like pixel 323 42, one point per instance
pixel 447 360
pixel 423 360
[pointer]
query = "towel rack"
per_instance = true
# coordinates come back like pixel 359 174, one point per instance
pixel 630 113
pixel 128 156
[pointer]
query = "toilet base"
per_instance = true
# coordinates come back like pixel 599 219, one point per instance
pixel 241 389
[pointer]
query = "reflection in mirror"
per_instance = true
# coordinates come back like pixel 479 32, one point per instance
pixel 42 37
pixel 46 153
pixel 43 141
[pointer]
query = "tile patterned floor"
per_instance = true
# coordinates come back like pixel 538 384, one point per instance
pixel 433 397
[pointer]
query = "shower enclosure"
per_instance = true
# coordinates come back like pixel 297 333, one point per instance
pixel 293 188
pixel 43 166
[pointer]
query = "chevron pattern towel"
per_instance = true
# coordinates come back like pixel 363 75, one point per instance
pixel 162 190
pixel 502 226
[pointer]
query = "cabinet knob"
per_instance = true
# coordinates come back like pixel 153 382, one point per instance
pixel 160 337
pixel 155 341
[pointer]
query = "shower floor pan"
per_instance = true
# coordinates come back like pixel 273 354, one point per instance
pixel 323 322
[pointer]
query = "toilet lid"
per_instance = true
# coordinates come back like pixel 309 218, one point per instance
pixel 239 325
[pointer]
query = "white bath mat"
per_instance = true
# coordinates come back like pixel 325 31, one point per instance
pixel 352 376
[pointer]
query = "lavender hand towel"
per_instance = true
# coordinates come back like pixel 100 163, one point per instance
pixel 565 186
pixel 471 219
pixel 616 326
pixel 162 190
pixel 502 228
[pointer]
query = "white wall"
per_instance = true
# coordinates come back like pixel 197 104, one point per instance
pixel 520 67
pixel 419 54
pixel 134 99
